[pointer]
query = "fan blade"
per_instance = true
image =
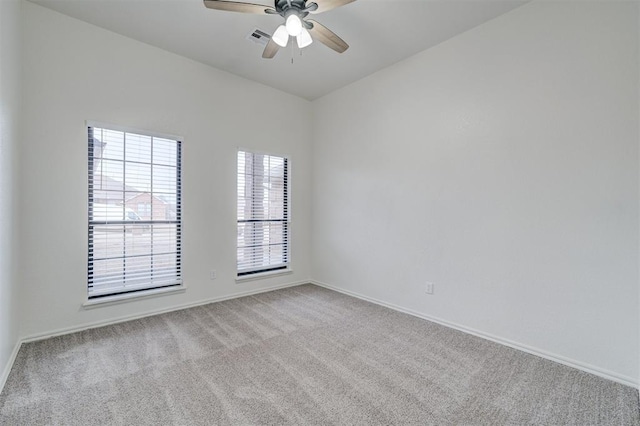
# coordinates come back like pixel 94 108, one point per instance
pixel 270 49
pixel 324 5
pixel 235 6
pixel 327 37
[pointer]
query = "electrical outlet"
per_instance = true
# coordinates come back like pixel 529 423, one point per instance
pixel 428 288
pixel 213 275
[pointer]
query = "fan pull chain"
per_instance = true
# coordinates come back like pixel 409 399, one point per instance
pixel 293 51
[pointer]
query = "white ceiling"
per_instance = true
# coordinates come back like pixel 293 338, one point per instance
pixel 379 32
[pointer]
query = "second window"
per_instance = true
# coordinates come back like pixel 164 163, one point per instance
pixel 263 213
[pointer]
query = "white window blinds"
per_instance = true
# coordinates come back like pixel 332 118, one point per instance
pixel 263 213
pixel 134 212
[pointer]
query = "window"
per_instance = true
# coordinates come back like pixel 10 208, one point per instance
pixel 263 213
pixel 144 210
pixel 132 250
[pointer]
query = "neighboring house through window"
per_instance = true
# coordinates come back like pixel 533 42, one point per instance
pixel 130 248
pixel 263 213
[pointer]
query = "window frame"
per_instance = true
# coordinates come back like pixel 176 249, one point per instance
pixel 268 272
pixel 119 296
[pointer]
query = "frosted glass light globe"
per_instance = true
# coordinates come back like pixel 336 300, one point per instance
pixel 304 39
pixel 294 25
pixel 281 36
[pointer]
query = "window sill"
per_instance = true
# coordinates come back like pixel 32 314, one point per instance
pixel 263 275
pixel 122 298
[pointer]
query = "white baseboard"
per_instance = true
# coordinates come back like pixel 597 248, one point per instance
pixel 610 375
pixel 87 326
pixel 7 368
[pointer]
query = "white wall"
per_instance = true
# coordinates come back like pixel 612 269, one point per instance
pixel 9 136
pixel 74 71
pixel 502 165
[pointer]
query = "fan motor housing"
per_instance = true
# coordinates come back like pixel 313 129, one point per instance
pixel 282 5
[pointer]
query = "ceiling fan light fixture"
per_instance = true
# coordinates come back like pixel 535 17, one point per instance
pixel 304 39
pixel 293 25
pixel 296 23
pixel 281 36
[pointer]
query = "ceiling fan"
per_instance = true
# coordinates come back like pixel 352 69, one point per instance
pixel 294 13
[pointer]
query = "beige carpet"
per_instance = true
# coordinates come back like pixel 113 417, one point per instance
pixel 303 355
